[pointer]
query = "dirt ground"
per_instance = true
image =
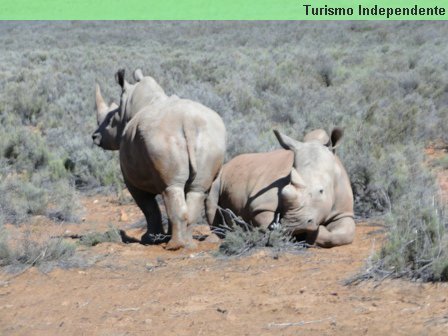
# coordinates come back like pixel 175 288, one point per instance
pixel 131 289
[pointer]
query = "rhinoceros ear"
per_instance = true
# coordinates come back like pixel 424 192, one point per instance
pixel 119 78
pixel 336 136
pixel 319 136
pixel 285 141
pixel 138 75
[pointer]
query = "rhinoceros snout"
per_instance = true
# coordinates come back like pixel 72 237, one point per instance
pixel 311 224
pixel 96 137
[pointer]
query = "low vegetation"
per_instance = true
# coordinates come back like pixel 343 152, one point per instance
pixel 94 238
pixel 384 82
pixel 30 250
pixel 240 239
pixel 240 242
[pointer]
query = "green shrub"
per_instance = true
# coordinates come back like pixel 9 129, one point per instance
pixel 416 245
pixel 26 150
pixel 239 242
pixel 95 238
pixel 240 238
pixel 27 251
pixel 64 204
pixel 19 199
pixel 441 162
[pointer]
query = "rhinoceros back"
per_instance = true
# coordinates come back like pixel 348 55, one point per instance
pixel 176 141
pixel 250 183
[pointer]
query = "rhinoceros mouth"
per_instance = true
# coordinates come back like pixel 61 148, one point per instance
pixel 291 226
pixel 298 226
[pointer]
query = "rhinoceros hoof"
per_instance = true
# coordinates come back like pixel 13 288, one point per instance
pixel 154 239
pixel 178 244
pixel 174 244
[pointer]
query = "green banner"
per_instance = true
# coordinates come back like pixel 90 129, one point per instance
pixel 223 10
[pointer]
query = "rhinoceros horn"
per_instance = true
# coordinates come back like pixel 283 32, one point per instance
pixel 289 196
pixel 101 107
pixel 296 179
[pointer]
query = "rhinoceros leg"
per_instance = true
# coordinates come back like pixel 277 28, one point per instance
pixel 339 232
pixel 195 202
pixel 177 212
pixel 211 202
pixel 148 204
pixel 154 223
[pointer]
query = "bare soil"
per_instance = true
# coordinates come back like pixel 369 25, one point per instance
pixel 131 289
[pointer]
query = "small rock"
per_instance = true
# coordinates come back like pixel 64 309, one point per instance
pixel 123 216
pixel 8 306
pixel 221 310
pixel 212 238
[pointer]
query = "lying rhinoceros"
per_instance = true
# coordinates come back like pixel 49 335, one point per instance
pixel 305 184
pixel 169 146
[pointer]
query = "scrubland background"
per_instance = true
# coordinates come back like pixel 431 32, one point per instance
pixel 385 83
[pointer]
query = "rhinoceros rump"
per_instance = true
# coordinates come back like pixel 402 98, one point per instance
pixel 306 184
pixel 169 146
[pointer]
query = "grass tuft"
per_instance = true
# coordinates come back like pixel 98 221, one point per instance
pixel 95 238
pixel 29 251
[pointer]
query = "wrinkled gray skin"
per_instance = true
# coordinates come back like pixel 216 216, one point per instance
pixel 306 184
pixel 169 146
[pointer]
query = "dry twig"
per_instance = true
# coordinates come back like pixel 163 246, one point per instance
pixel 300 323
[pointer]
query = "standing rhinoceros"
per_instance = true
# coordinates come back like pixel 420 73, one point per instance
pixel 305 184
pixel 169 146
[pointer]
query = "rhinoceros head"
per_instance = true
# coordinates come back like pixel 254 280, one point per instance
pixel 108 119
pixel 113 119
pixel 308 199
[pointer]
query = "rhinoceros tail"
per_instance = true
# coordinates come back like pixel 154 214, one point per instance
pixel 190 137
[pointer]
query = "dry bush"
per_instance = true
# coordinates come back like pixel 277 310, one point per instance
pixel 30 250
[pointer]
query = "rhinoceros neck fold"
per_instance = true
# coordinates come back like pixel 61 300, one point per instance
pixel 292 216
pixel 334 216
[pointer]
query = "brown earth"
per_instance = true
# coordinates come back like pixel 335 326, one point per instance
pixel 131 289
